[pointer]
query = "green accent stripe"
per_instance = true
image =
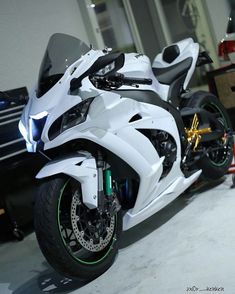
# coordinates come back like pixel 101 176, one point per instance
pixel 108 183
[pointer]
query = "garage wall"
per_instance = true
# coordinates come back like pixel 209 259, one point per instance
pixel 25 27
pixel 218 13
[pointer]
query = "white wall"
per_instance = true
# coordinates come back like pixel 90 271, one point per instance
pixel 218 11
pixel 119 24
pixel 25 27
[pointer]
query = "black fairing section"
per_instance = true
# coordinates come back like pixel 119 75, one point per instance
pixel 169 74
pixel 145 96
pixel 170 53
pixel 203 58
pixel 175 90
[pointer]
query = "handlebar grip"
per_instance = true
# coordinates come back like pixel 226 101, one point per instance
pixel 116 81
pixel 131 81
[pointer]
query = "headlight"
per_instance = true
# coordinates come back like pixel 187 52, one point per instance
pixel 23 131
pixel 74 116
pixel 39 115
pixel 33 135
pixel 31 147
pixel 36 125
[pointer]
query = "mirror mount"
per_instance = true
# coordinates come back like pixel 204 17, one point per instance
pixel 101 62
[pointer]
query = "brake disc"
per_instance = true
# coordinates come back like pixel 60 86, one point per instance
pixel 93 230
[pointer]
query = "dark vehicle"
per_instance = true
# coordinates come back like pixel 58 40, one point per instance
pixel 226 48
pixel 11 141
pixel 15 166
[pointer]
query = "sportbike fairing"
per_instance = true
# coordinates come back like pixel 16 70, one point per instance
pixel 56 115
pixel 53 102
pixel 52 97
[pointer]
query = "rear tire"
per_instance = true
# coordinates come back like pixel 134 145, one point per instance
pixel 55 229
pixel 214 165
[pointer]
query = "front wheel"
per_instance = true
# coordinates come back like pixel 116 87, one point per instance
pixel 219 155
pixel 78 242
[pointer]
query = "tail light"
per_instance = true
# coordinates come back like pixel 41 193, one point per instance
pixel 226 47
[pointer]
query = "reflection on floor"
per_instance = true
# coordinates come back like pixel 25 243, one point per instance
pixel 190 243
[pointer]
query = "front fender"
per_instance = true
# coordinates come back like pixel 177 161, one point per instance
pixel 81 167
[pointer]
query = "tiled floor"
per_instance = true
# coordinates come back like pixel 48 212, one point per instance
pixel 190 243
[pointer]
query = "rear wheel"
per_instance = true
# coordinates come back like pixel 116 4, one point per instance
pixel 78 242
pixel 219 153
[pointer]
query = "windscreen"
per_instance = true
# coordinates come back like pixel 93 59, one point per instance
pixel 62 51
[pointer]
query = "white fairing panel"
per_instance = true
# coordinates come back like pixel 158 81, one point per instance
pixel 188 48
pixel 109 124
pixel 85 173
pixel 175 188
pixel 139 66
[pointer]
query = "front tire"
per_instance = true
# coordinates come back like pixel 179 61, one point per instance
pixel 77 242
pixel 215 164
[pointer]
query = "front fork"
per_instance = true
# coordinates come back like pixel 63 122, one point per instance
pixel 107 200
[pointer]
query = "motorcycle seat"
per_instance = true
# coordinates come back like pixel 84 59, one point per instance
pixel 167 75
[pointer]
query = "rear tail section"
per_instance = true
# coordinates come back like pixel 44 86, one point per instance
pixel 175 65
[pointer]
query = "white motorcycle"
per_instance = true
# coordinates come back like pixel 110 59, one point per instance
pixel 122 138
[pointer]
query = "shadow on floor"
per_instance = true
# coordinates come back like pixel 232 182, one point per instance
pixel 49 281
